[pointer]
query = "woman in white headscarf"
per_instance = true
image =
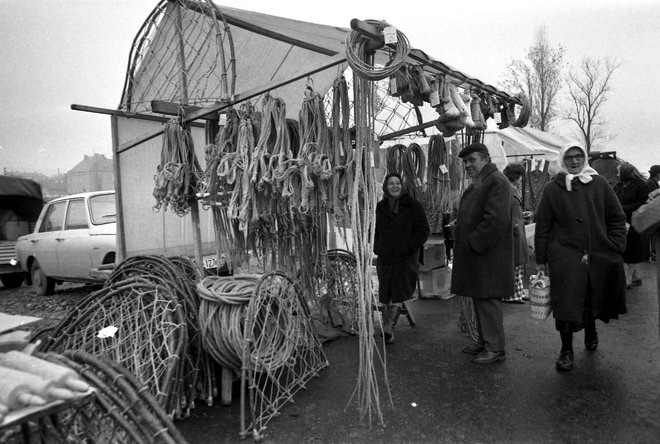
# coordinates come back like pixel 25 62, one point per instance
pixel 580 238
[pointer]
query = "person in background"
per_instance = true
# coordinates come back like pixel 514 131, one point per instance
pixel 579 240
pixel 654 178
pixel 400 232
pixel 632 192
pixel 483 251
pixel 653 182
pixel 515 172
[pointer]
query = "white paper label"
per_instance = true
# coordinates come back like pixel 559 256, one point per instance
pixel 390 35
pixel 497 117
pixel 393 89
pixel 222 121
pixel 443 169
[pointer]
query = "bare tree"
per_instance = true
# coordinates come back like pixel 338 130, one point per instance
pixel 588 86
pixel 539 76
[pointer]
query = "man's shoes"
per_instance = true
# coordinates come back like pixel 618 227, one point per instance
pixel 473 349
pixel 486 357
pixel 565 361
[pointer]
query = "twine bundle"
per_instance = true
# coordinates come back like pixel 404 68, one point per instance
pixel 178 172
pixel 222 314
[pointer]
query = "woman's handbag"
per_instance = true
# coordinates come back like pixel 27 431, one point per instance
pixel 539 295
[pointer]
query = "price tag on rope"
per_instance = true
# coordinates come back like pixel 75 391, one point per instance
pixel 443 169
pixel 390 35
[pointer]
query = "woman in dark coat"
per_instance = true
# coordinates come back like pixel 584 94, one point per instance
pixel 580 236
pixel 632 191
pixel 400 233
pixel 515 172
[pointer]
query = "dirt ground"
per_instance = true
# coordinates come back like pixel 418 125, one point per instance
pixel 438 396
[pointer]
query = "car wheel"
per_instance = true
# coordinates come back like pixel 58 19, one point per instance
pixel 12 280
pixel 42 284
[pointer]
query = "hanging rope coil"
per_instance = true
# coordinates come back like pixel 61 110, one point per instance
pixel 413 168
pixel 178 173
pixel 525 111
pixel 363 66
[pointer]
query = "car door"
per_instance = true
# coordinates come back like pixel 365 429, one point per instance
pixel 44 241
pixel 74 247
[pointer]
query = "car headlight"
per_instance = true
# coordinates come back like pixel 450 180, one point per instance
pixel 13 262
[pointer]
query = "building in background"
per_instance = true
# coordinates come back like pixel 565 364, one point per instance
pixel 93 173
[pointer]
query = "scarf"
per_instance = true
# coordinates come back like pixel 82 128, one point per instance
pixel 393 205
pixel 583 176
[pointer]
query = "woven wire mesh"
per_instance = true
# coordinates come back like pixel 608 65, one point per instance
pixel 181 275
pixel 183 53
pixel 281 352
pixel 117 409
pixel 335 286
pixel 391 114
pixel 151 333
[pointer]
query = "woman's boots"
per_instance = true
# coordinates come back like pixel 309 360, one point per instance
pixel 565 360
pixel 390 317
pixel 591 336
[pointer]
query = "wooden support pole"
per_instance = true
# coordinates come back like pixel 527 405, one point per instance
pixel 192 202
pixel 412 129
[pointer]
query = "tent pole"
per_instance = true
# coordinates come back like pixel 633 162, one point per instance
pixel 192 202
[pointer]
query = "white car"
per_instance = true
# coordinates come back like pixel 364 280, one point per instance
pixel 73 237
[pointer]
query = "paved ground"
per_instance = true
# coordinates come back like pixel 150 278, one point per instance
pixel 438 396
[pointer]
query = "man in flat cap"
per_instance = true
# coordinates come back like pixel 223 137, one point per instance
pixel 483 251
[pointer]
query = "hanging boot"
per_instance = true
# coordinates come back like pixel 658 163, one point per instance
pixel 565 360
pixel 591 336
pixel 395 311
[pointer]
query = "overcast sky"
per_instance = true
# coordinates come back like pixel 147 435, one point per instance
pixel 56 53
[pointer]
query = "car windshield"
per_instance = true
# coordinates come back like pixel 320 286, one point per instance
pixel 103 209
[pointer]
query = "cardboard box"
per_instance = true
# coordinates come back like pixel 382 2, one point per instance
pixel 434 254
pixel 435 284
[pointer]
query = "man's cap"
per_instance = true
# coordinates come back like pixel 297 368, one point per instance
pixel 473 148
pixel 655 169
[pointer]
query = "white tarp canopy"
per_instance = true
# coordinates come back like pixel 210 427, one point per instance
pixel 512 145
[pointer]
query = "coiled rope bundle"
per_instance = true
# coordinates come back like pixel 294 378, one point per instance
pixel 358 61
pixel 178 172
pixel 413 168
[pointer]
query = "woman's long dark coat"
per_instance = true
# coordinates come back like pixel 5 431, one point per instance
pixel 483 252
pixel 581 235
pixel 632 194
pixel 520 249
pixel 397 243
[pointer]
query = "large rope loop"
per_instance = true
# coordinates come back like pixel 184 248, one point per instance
pixel 356 54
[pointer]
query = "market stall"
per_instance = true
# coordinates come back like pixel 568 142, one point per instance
pixel 254 139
